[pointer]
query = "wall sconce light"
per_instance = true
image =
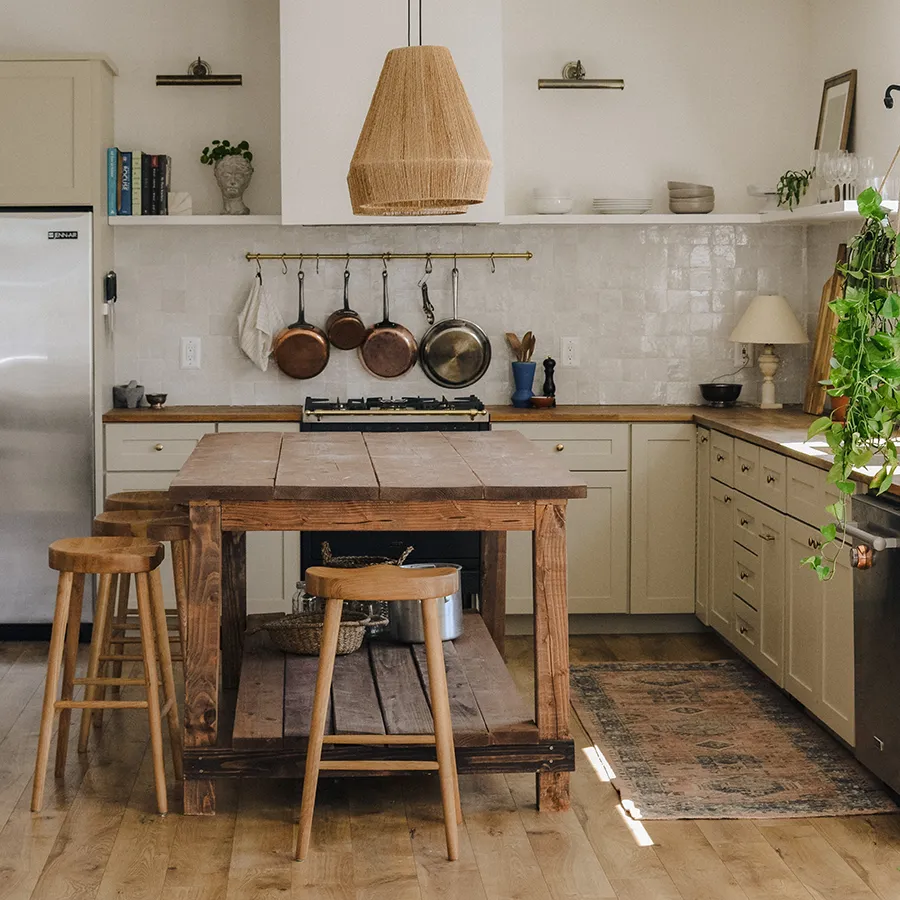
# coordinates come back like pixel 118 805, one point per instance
pixel 199 72
pixel 573 76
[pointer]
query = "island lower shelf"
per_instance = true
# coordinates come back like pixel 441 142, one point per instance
pixel 380 689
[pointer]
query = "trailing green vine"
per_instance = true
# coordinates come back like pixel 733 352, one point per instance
pixel 865 369
pixel 792 186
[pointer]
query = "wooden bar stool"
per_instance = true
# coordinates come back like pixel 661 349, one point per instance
pixel 390 583
pixel 166 526
pixel 158 500
pixel 74 558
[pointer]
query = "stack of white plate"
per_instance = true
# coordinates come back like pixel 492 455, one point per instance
pixel 686 197
pixel 606 206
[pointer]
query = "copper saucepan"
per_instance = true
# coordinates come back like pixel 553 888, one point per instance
pixel 301 350
pixel 388 349
pixel 344 327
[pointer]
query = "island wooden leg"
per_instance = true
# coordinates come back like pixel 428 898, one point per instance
pixel 493 586
pixel 551 645
pixel 201 658
pixel 234 605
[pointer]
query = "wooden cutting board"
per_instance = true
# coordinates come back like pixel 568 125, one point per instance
pixel 820 362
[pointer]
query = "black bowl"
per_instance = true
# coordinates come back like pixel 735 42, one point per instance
pixel 721 394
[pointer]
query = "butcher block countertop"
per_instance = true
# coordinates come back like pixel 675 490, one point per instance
pixel 205 414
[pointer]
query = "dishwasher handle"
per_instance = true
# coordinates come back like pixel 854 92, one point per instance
pixel 878 542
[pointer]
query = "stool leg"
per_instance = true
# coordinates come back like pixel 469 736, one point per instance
pixel 57 639
pixel 327 651
pixel 70 659
pixel 148 647
pixel 165 665
pixel 180 570
pixel 117 648
pixel 443 727
pixel 97 717
pixel 98 643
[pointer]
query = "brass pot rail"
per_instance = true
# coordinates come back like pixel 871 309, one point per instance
pixel 386 257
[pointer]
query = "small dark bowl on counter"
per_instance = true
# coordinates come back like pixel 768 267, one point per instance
pixel 720 395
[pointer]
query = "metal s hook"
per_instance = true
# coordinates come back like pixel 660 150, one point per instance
pixel 347 264
pixel 259 270
pixel 429 268
pixel 300 268
pixel 384 264
pixel 283 265
pixel 317 264
pixel 493 265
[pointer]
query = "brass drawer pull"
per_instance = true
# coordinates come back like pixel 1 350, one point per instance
pixel 720 458
pixel 703 438
pixel 727 499
pixel 771 479
pixel 742 629
pixel 560 447
pixel 744 576
pixel 158 447
pixel 767 537
pixel 744 522
pixel 814 544
pixel 745 467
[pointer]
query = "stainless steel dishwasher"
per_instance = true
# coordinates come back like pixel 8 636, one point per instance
pixel 874 535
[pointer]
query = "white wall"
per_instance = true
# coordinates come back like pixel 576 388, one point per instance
pixel 715 92
pixel 863 35
pixel 161 37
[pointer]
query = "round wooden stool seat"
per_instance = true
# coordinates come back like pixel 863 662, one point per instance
pixel 105 555
pixel 155 524
pixel 382 583
pixel 139 500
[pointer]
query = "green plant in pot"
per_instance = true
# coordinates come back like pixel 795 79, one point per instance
pixel 792 186
pixel 233 170
pixel 865 369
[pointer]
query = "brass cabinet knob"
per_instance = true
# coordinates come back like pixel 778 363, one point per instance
pixel 744 522
pixel 771 479
pixel 560 447
pixel 158 447
pixel 742 629
pixel 703 438
pixel 744 576
pixel 727 499
pixel 745 467
pixel 720 458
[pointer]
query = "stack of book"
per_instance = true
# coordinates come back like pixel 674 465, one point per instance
pixel 137 183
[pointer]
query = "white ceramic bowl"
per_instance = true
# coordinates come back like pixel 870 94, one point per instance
pixel 548 206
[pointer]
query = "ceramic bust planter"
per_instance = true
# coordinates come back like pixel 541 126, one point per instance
pixel 233 174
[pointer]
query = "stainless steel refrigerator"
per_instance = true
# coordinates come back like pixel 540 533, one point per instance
pixel 46 402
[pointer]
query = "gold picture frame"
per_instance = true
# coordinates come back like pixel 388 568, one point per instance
pixel 836 112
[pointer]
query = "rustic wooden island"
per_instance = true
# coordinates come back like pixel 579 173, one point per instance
pixel 491 482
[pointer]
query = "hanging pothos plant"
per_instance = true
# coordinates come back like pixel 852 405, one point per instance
pixel 865 369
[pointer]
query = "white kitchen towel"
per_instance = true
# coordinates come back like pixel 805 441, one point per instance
pixel 258 323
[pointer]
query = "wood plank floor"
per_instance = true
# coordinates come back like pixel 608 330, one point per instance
pixel 99 837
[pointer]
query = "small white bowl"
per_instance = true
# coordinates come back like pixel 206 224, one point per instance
pixel 549 206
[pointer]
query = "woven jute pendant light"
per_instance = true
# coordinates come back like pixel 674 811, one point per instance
pixel 420 151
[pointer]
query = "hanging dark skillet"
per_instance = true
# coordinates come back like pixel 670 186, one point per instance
pixel 455 353
pixel 344 327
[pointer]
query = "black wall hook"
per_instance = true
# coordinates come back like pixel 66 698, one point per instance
pixel 888 98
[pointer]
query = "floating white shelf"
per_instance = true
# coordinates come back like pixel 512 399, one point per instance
pixel 821 214
pixel 645 219
pixel 146 221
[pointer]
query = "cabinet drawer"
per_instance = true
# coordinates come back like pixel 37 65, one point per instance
pixel 746 629
pixel 584 447
pixel 808 492
pixel 772 488
pixel 747 574
pixel 746 467
pixel 721 458
pixel 746 523
pixel 158 447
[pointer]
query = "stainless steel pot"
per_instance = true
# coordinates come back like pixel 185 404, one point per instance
pixel 406 615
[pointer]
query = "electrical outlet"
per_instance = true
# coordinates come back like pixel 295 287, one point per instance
pixel 190 353
pixel 742 355
pixel 569 355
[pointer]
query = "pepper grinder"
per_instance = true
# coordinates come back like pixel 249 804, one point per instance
pixel 549 383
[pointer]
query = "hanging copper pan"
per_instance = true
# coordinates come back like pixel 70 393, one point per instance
pixel 344 327
pixel 301 350
pixel 388 349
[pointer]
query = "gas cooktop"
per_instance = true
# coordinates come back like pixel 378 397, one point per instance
pixel 395 405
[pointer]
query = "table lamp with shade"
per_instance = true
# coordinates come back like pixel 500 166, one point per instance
pixel 768 320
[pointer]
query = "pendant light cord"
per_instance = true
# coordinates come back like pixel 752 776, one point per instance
pixel 409 23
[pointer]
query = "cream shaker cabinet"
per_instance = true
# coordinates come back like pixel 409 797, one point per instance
pixel 663 503
pixel 597 528
pixel 61 110
pixel 331 57
pixel 701 605
pixel 721 558
pixel 148 456
pixel 819 635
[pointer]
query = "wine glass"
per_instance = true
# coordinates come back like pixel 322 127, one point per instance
pixel 831 172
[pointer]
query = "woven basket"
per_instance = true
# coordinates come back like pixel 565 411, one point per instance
pixel 359 562
pixel 302 633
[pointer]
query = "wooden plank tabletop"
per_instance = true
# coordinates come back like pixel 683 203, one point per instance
pixel 405 466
